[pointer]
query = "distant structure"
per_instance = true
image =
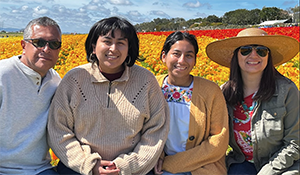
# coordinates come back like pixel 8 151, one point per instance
pixel 274 22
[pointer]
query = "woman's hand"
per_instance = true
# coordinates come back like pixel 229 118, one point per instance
pixel 158 166
pixel 104 167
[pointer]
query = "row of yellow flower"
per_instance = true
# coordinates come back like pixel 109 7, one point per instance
pixel 73 54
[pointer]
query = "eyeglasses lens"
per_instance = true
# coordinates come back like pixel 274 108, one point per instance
pixel 260 50
pixel 246 50
pixel 39 43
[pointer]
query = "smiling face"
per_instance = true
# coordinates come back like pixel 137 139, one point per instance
pixel 41 59
pixel 111 52
pixel 252 63
pixel 180 60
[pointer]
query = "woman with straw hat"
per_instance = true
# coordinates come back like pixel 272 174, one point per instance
pixel 263 105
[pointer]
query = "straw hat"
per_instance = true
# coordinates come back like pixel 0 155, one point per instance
pixel 283 48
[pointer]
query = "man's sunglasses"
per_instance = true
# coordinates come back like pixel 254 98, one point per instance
pixel 260 50
pixel 40 43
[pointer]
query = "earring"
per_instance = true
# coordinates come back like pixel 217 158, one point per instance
pixel 91 57
pixel 128 59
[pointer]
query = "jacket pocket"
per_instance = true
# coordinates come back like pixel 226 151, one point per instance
pixel 273 126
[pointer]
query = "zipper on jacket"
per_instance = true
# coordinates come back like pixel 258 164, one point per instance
pixel 108 96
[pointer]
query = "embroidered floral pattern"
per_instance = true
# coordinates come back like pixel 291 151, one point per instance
pixel 177 94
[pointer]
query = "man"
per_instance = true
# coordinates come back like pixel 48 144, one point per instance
pixel 27 85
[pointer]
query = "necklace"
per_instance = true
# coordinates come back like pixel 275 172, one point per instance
pixel 246 108
pixel 247 111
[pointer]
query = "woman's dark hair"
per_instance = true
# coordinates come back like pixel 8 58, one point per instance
pixel 233 89
pixel 177 36
pixel 106 25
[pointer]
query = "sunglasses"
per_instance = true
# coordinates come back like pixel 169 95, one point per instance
pixel 262 51
pixel 40 43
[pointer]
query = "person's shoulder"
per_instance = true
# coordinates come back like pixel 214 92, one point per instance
pixel 206 88
pixel 79 70
pixel 205 83
pixel 8 61
pixel 53 72
pixel 54 76
pixel 6 65
pixel 142 75
pixel 284 82
pixel 141 71
pixel 139 68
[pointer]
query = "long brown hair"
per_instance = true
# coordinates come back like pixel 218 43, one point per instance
pixel 233 89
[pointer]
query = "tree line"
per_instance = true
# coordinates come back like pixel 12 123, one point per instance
pixel 240 17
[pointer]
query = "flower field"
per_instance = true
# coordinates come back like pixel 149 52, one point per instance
pixel 73 53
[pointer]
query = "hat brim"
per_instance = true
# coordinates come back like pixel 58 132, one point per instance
pixel 283 48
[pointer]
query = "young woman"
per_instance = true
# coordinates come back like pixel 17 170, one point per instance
pixel 198 136
pixel 263 105
pixel 106 116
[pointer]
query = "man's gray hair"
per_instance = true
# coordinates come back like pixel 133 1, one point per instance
pixel 42 21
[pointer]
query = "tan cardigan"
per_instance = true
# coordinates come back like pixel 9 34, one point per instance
pixel 125 121
pixel 208 133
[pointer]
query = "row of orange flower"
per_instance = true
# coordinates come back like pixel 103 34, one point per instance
pixel 152 43
pixel 73 54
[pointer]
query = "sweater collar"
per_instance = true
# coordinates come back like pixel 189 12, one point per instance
pixel 97 76
pixel 30 73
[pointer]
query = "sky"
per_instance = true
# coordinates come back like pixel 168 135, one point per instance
pixel 78 16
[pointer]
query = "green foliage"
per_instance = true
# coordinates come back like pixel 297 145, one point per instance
pixel 240 17
pixel 273 13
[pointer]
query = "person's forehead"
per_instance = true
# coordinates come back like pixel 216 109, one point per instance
pixel 51 32
pixel 116 34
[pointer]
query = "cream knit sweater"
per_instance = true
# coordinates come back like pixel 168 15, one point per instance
pixel 125 121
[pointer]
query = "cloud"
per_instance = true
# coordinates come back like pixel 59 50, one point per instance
pixel 159 13
pixel 192 5
pixel 161 4
pixel 40 10
pixel 197 5
pixel 247 4
pixel 70 20
pixel 201 15
pixel 207 5
pixel 134 13
pixel 120 2
pixel 25 7
pixel 114 12
pixel 12 1
pixel 288 3
pixel 135 17
pixel 93 7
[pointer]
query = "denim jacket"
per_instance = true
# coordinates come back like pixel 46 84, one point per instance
pixel 274 132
